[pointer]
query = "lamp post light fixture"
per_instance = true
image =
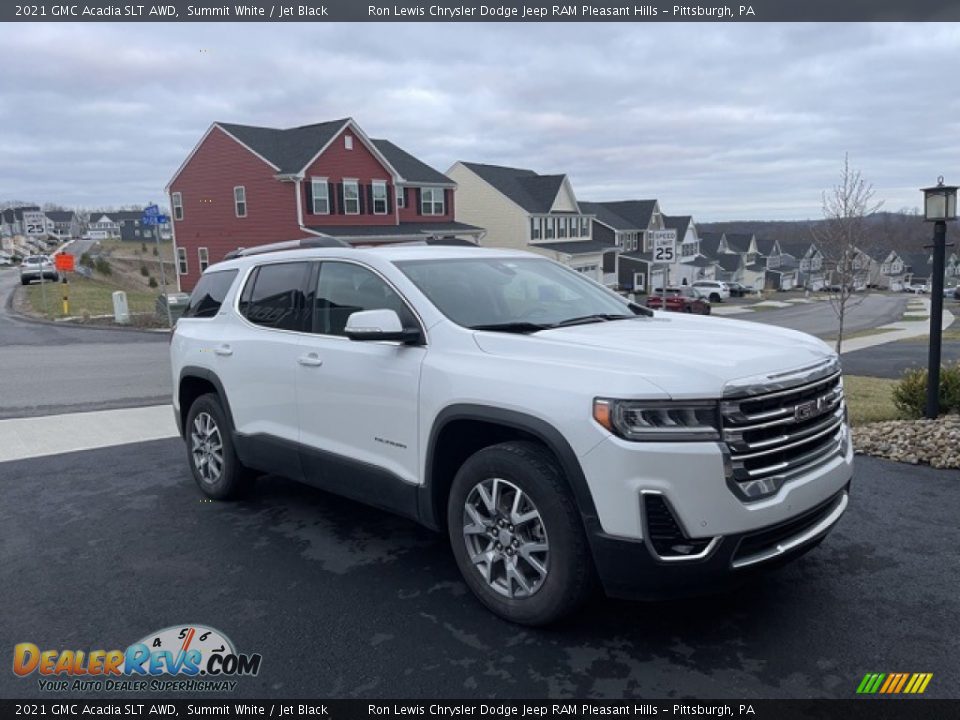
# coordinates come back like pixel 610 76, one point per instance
pixel 939 207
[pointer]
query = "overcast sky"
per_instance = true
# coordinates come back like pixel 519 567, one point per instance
pixel 719 121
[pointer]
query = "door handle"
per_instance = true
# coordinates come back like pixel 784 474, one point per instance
pixel 310 360
pixel 224 350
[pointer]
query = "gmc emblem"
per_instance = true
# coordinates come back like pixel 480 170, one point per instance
pixel 809 409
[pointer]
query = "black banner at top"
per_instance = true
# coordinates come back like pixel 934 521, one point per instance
pixel 484 11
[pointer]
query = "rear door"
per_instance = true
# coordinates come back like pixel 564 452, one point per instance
pixel 256 358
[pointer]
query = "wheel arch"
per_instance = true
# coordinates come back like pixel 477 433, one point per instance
pixel 453 425
pixel 196 381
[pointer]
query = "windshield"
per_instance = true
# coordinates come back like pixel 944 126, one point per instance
pixel 523 294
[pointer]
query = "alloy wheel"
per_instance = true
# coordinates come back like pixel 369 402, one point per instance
pixel 505 537
pixel 207 448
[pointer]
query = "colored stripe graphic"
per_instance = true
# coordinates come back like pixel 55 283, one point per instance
pixel 894 683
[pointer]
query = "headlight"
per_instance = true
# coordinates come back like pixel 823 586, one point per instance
pixel 658 420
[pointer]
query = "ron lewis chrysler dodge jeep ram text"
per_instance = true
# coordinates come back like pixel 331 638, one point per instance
pixel 557 432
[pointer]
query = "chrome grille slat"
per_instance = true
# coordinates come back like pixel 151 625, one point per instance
pixel 785 441
pixel 771 437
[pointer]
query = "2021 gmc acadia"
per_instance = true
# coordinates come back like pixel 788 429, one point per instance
pixel 557 432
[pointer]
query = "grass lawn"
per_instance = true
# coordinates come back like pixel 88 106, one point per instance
pixel 91 296
pixel 915 318
pixel 869 399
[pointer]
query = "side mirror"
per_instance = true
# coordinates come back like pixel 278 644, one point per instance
pixel 379 325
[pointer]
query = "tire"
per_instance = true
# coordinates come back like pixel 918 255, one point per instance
pixel 207 423
pixel 24 282
pixel 714 297
pixel 554 539
pixel 687 309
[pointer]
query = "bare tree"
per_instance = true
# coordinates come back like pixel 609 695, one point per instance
pixel 844 239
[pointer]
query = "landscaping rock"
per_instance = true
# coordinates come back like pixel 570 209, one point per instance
pixel 932 442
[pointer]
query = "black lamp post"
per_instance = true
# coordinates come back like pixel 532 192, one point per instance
pixel 939 207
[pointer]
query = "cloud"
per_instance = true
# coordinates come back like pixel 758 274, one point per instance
pixel 721 121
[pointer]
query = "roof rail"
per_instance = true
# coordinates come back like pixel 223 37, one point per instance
pixel 302 243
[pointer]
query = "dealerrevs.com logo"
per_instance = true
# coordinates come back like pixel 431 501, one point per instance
pixel 185 658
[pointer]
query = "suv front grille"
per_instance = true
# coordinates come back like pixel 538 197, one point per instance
pixel 776 435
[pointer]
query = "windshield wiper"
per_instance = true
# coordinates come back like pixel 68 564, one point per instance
pixel 512 327
pixel 595 318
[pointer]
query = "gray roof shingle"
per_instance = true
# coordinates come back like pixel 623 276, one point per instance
pixel 291 149
pixel 534 193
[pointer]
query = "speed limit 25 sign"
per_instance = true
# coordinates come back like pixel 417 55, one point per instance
pixel 664 245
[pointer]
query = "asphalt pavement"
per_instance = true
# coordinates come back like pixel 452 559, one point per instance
pixel 104 546
pixel 818 318
pixel 892 359
pixel 52 367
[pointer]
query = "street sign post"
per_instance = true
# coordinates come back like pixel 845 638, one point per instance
pixel 35 225
pixel 664 247
pixel 152 216
pixel 64 263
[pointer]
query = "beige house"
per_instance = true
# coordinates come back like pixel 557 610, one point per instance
pixel 524 210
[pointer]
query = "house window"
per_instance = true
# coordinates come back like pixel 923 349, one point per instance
pixel 534 228
pixel 348 142
pixel 379 197
pixel 240 201
pixel 136 233
pixel 177 200
pixel 401 197
pixel 351 197
pixel 563 225
pixel 574 227
pixel 431 201
pixel 182 261
pixel 320 196
pixel 203 258
pixel 551 231
pixel 618 241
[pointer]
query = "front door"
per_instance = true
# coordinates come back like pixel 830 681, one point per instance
pixel 358 400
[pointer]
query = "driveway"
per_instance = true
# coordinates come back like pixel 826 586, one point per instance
pixel 346 601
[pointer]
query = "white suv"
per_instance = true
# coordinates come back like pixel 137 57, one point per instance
pixel 715 290
pixel 558 433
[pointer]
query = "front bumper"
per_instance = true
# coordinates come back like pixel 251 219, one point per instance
pixel 727 538
pixel 632 569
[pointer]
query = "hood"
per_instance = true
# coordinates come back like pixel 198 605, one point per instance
pixel 685 356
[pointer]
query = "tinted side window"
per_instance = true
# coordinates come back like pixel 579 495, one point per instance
pixel 273 296
pixel 344 288
pixel 208 295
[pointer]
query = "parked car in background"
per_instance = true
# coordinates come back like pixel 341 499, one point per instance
pixel 680 299
pixel 715 290
pixel 956 293
pixel 949 291
pixel 37 267
pixel 738 290
pixel 918 289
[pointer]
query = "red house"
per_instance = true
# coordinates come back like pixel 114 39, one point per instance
pixel 243 186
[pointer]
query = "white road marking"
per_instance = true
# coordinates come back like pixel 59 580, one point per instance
pixel 32 437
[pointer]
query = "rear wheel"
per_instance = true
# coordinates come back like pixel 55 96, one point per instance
pixel 517 536
pixel 714 297
pixel 211 453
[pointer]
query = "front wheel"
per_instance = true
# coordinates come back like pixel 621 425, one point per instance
pixel 210 451
pixel 517 536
